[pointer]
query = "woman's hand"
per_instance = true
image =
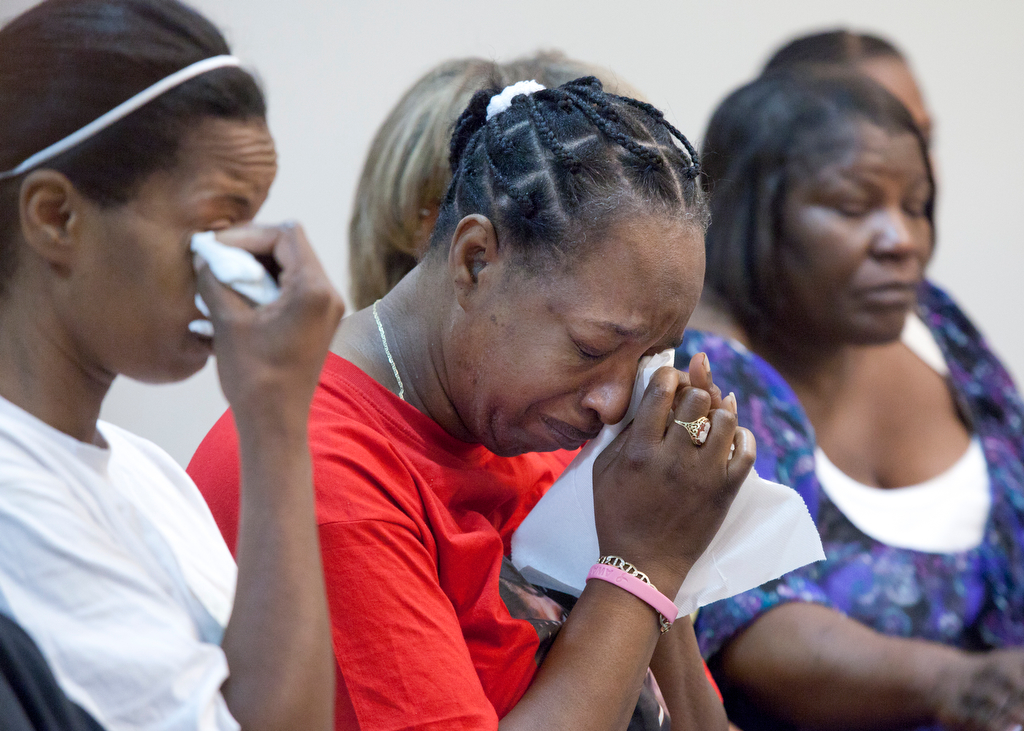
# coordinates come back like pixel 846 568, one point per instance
pixel 278 642
pixel 983 692
pixel 269 358
pixel 659 499
pixel 812 667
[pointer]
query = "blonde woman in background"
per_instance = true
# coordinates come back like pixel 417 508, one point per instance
pixel 406 171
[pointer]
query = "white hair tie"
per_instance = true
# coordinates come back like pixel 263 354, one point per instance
pixel 500 102
pixel 121 111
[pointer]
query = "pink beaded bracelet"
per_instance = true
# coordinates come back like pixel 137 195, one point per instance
pixel 624 575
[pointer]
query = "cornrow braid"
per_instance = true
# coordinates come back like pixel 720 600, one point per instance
pixel 558 164
pixel 550 139
pixel 524 201
pixel 694 170
pixel 607 123
pixel 467 125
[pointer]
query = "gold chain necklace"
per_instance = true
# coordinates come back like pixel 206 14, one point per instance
pixel 387 352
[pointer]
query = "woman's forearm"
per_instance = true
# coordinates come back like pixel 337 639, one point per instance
pixel 818 669
pixel 679 670
pixel 278 641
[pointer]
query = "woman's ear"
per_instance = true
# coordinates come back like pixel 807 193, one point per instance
pixel 51 213
pixel 473 257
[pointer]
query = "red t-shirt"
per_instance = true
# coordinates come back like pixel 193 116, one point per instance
pixel 413 528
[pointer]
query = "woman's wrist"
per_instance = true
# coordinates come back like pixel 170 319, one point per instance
pixel 666 573
pixel 946 672
pixel 261 421
pixel 621 573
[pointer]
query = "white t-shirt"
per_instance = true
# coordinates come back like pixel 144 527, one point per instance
pixel 111 561
pixel 946 514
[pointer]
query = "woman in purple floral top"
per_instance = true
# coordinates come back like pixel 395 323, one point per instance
pixel 821 228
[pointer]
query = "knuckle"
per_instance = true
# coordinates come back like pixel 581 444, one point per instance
pixel 659 392
pixel 319 297
pixel 724 419
pixel 661 387
pixel 697 399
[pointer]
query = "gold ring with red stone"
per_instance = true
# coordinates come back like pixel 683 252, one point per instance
pixel 698 430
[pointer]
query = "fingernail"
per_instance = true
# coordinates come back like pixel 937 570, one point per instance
pixel 707 363
pixel 731 398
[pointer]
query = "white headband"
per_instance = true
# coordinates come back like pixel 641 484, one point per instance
pixel 500 102
pixel 122 110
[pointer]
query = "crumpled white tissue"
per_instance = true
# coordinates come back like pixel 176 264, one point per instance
pixel 236 268
pixel 766 533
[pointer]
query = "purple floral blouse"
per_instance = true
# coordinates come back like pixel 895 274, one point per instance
pixel 973 599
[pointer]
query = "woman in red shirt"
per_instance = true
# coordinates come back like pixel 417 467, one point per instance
pixel 569 246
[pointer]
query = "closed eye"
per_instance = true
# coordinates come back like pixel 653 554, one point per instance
pixel 852 209
pixel 587 352
pixel 915 209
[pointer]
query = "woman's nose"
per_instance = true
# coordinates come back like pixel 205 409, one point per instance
pixel 610 396
pixel 894 236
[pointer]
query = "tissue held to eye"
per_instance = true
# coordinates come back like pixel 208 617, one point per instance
pixel 234 267
pixel 766 533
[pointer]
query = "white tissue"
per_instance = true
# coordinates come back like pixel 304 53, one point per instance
pixel 766 533
pixel 236 268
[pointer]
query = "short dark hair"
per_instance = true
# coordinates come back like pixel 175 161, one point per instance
pixel 755 139
pixel 560 162
pixel 839 47
pixel 63 63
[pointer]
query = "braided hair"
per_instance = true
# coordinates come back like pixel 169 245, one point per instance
pixel 561 162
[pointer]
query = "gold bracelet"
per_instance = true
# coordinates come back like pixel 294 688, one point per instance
pixel 624 565
pixel 621 563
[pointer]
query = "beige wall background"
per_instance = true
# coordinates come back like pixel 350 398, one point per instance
pixel 333 68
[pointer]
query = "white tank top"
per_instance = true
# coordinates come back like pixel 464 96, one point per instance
pixel 946 514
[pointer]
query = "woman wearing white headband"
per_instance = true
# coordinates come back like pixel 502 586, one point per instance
pixel 124 129
pixel 568 247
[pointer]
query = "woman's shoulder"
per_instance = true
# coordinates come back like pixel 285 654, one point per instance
pixel 126 446
pixel 959 338
pixel 47 465
pixel 351 404
pixel 947 320
pixel 977 374
pixel 361 439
